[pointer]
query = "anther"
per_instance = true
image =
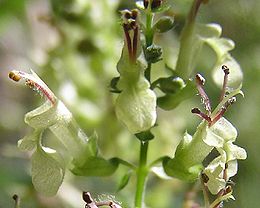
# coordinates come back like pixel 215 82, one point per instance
pixel 201 114
pixel 223 91
pixel 14 76
pixel 195 110
pixel 228 189
pixel 134 14
pixel 204 178
pixel 146 2
pixel 225 69
pixel 200 79
pixel 223 110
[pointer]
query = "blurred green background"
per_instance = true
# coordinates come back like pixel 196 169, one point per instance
pixel 74 46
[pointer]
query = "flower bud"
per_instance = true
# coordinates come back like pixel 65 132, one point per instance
pixel 164 24
pixel 153 54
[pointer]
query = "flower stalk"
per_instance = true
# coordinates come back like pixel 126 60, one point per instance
pixel 141 173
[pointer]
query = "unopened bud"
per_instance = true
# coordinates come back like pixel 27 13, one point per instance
pixel 164 24
pixel 153 54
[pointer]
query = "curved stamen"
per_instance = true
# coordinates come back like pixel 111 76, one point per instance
pixel 34 82
pixel 200 81
pixel 224 87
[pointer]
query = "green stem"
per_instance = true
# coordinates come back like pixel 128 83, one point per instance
pixel 149 34
pixel 205 194
pixel 185 57
pixel 141 173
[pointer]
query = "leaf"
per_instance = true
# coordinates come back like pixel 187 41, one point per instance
pixel 47 172
pixel 171 101
pixel 96 166
pixel 234 152
pixel 124 180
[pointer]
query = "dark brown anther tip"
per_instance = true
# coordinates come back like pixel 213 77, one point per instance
pixel 134 14
pixel 204 178
pixel 146 2
pixel 14 76
pixel 199 79
pixel 156 3
pixel 228 189
pixel 127 14
pixel 15 197
pixel 225 69
pixel 232 100
pixel 86 197
pixel 195 110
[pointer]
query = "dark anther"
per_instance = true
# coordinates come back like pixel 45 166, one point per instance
pixel 195 110
pixel 127 14
pixel 201 115
pixel 204 178
pixel 226 166
pixel 156 4
pixel 146 2
pixel 228 189
pixel 15 197
pixel 225 69
pixel 86 197
pixel 134 13
pixel 200 79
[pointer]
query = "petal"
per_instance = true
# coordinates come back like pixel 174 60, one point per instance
pixel 47 171
pixel 224 129
pixel 235 152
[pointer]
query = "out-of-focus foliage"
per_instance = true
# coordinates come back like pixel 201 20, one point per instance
pixel 74 46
